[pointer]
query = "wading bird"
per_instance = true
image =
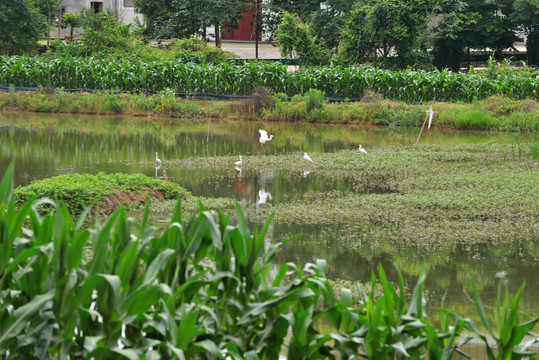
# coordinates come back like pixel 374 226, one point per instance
pixel 264 136
pixel 307 157
pixel 157 160
pixel 361 149
pixel 238 163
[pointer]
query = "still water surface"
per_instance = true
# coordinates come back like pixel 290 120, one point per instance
pixel 49 145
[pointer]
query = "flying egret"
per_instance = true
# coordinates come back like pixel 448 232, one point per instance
pixel 307 157
pixel 157 160
pixel 264 136
pixel 238 163
pixel 361 149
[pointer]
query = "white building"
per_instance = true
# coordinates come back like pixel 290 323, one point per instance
pixel 123 9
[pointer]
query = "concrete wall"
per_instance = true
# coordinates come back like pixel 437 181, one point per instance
pixel 123 8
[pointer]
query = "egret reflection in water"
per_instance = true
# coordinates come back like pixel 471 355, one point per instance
pixel 263 196
pixel 264 136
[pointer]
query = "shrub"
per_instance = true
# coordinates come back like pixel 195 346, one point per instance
pixel 314 100
pixel 476 120
pixel 80 190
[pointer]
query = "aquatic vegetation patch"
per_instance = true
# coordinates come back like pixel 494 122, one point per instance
pixel 429 196
pixel 102 190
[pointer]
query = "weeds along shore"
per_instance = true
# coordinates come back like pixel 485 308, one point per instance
pixel 492 113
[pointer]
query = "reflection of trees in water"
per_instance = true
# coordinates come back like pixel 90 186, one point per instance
pixel 449 269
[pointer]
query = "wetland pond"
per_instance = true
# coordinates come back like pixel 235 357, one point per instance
pixel 49 145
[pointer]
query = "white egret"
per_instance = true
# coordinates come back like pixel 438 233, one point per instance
pixel 157 160
pixel 501 274
pixel 264 136
pixel 361 149
pixel 238 163
pixel 238 169
pixel 307 157
pixel 305 173
pixel 263 196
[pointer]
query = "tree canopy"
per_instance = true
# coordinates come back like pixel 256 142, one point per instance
pixel 21 26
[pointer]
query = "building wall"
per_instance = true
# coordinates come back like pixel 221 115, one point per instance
pixel 123 8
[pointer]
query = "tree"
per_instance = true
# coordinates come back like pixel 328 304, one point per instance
pixel 21 26
pixel 324 18
pixel 296 39
pixel 474 24
pixel 526 15
pixel 167 19
pixel 379 29
pixel 72 21
pixel 51 10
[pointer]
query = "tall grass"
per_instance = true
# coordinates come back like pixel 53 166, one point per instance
pixel 199 289
pixel 226 78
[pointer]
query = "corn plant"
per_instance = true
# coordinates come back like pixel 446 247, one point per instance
pixel 226 78
pixel 199 289
pixel 507 341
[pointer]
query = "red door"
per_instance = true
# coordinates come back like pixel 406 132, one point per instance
pixel 246 31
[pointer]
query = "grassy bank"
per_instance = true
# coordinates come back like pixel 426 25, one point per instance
pixel 494 113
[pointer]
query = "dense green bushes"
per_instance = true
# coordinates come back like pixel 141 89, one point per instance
pixel 79 190
pixel 225 78
pixel 200 290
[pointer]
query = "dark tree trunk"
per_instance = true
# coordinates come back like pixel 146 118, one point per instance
pixel 217 35
pixel 532 46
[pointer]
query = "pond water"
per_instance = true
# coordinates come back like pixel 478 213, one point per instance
pixel 49 145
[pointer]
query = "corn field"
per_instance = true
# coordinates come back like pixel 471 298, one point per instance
pixel 229 79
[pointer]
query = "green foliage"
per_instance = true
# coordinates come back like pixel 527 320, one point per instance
pixel 225 78
pixel 80 190
pixel 466 24
pixel 296 40
pixel 384 27
pixel 198 48
pixel 104 37
pixel 21 26
pixel 526 14
pixel 72 21
pixel 314 100
pixel 186 18
pixel 199 289
pixel 510 331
